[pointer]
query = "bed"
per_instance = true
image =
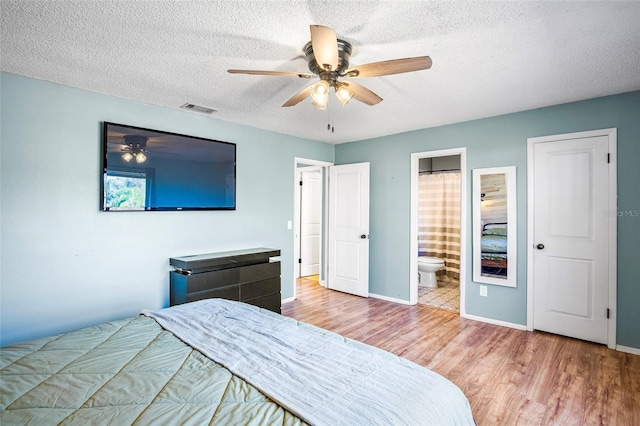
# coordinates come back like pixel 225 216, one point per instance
pixel 493 249
pixel 217 361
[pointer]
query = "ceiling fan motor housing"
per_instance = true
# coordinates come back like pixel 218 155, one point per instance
pixel 138 140
pixel 344 53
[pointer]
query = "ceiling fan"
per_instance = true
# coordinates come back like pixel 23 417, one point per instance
pixel 328 59
pixel 135 148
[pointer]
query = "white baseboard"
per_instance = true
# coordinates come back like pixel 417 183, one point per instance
pixel 389 299
pixel 287 300
pixel 495 322
pixel 628 349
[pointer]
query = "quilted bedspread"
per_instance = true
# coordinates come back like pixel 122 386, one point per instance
pixel 125 372
pixel 321 376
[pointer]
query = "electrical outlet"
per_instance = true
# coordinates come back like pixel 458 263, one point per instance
pixel 289 224
pixel 483 290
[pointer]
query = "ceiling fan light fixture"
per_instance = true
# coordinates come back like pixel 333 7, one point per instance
pixel 320 94
pixel 140 157
pixel 127 156
pixel 320 104
pixel 320 91
pixel 344 93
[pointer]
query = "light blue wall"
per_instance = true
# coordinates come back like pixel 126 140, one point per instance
pixel 64 264
pixel 493 142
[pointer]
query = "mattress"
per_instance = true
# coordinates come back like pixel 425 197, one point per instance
pixel 248 366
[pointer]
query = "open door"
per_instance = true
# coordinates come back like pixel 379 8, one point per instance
pixel 349 228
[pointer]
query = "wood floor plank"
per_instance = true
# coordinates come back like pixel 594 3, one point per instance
pixel 511 377
pixel 630 384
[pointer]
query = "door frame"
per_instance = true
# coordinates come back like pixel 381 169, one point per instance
pixel 298 164
pixel 611 213
pixel 413 239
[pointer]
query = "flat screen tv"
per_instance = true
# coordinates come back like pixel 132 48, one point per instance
pixel 146 169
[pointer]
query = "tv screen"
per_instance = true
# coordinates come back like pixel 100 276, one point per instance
pixel 154 170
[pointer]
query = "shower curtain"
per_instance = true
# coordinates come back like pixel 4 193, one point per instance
pixel 439 219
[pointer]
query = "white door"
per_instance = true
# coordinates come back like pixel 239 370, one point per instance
pixel 310 222
pixel 349 228
pixel 571 238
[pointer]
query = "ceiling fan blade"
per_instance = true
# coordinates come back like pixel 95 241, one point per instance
pixel 325 47
pixel 276 73
pixel 363 94
pixel 298 97
pixel 394 66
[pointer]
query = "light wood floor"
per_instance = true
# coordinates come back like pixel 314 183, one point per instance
pixel 510 376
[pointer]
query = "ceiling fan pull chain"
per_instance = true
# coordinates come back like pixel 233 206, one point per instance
pixel 331 122
pixel 329 118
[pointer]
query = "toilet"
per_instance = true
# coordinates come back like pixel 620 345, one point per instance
pixel 427 267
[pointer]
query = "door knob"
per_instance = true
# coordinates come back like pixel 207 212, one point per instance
pixel 540 246
pixel 363 236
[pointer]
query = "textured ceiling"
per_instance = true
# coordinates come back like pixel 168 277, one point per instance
pixel 489 58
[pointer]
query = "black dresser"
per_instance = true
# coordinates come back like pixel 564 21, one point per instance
pixel 250 276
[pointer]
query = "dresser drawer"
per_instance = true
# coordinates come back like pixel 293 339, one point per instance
pixel 231 276
pixel 271 302
pixel 229 293
pixel 259 288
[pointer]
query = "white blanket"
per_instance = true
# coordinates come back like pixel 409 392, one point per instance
pixel 320 376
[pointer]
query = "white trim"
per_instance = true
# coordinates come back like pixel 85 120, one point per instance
pixel 495 322
pixel 530 189
pixel 390 299
pixel 612 135
pixel 627 349
pixel 512 225
pixel 297 161
pixel 287 300
pixel 413 239
pixel 613 238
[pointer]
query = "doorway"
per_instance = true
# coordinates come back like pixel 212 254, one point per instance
pixel 571 257
pixel 309 167
pixel 310 221
pixel 344 230
pixel 435 174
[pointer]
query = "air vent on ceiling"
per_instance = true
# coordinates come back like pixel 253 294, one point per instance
pixel 198 108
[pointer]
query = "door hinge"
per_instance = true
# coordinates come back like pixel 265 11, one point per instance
pixel 300 183
pixel 300 261
pixel 608 157
pixel 608 312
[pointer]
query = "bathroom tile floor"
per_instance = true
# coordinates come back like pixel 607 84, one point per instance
pixel 445 296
